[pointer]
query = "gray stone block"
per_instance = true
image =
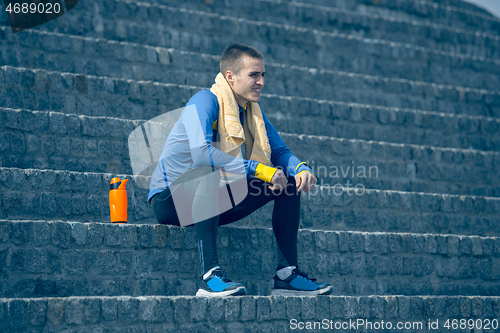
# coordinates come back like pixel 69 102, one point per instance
pixel 371 265
pixel 408 265
pixel 308 308
pixel 394 242
pixel 370 241
pixel 147 309
pixel 215 310
pixel 465 245
pixel 416 307
pixel 465 307
pixel 381 244
pixel 356 241
pixel 57 123
pixel 404 307
pixel 453 307
pixel 343 238
pixel 77 147
pixel 55 311
pixel 364 307
pixel 74 262
pixel 17 314
pixel 61 234
pixel 453 245
pixel 129 235
pixel 146 235
pixel 391 307
pixel 109 262
pixel 92 310
pixel 383 267
pixel 189 262
pixel 476 245
pixel 113 235
pixel 3 260
pixel 232 309
pixel 174 262
pixel 54 262
pixel 128 309
pixel 488 246
pixel 18 260
pixel 95 234
pixel 94 206
pixel 36 312
pixel 181 310
pixel 322 308
pixel 396 265
pixel 73 313
pixel 248 308
pixel 278 308
pixel 488 307
pixel 160 236
pixel 358 265
pixel 377 305
pixel 159 260
pixel 78 233
pixel 78 205
pixel 109 309
pixel 164 310
pixel 37 260
pixel 21 232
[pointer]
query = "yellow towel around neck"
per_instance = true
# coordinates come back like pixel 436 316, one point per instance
pixel 231 134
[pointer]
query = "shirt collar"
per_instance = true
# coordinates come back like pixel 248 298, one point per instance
pixel 241 108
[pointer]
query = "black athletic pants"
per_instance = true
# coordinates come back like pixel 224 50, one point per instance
pixel 285 218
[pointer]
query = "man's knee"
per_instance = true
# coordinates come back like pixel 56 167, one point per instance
pixel 202 183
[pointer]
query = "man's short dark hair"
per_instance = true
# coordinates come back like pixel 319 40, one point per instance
pixel 232 55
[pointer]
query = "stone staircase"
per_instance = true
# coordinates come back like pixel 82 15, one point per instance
pixel 406 87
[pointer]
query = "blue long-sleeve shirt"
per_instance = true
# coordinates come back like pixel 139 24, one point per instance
pixel 192 143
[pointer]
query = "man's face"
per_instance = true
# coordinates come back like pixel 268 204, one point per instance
pixel 248 83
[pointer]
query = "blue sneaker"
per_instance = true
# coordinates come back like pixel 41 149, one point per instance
pixel 218 284
pixel 298 284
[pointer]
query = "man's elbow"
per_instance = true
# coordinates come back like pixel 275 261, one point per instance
pixel 201 156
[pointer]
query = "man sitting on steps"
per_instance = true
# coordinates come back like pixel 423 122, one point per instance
pixel 209 143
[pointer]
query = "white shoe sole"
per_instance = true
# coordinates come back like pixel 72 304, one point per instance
pixel 236 292
pixel 287 292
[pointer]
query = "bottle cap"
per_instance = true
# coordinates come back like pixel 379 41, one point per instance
pixel 116 183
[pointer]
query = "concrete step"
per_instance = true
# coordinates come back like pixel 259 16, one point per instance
pixel 61 259
pixel 91 56
pixel 366 122
pixel 456 14
pixel 364 20
pixel 52 140
pixel 104 96
pixel 168 26
pixel 245 314
pixel 292 115
pixel 400 167
pixel 448 12
pixel 99 144
pixel 76 196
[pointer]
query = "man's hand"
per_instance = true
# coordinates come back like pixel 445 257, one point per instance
pixel 279 180
pixel 305 181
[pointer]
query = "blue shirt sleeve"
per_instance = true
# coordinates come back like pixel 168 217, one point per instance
pixel 199 129
pixel 281 156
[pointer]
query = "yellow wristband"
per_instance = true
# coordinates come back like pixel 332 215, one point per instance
pixel 265 173
pixel 309 172
pixel 297 167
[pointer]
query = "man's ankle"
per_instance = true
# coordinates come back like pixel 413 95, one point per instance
pixel 207 274
pixel 285 272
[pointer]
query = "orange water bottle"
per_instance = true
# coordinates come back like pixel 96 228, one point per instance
pixel 118 200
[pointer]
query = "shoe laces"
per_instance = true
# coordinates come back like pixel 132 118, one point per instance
pixel 302 274
pixel 219 273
